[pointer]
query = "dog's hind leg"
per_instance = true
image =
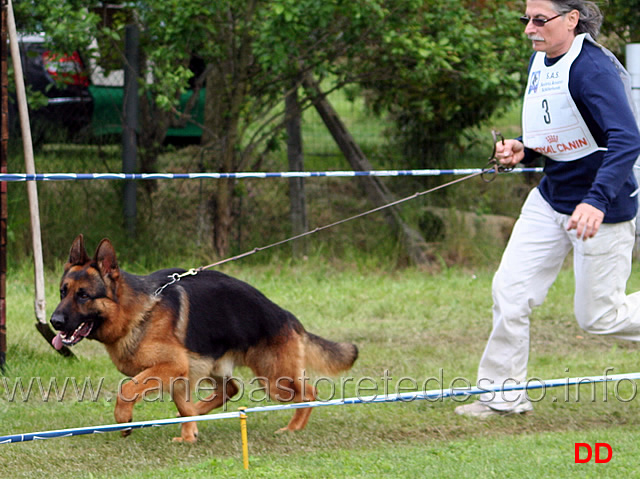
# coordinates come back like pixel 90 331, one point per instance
pixel 287 382
pixel 301 392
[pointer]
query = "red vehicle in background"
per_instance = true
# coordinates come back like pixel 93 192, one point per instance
pixel 66 103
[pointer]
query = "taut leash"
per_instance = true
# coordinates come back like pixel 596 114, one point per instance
pixel 493 166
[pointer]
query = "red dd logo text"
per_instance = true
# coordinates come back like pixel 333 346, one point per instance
pixel 587 452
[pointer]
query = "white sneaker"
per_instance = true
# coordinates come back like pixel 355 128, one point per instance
pixel 480 410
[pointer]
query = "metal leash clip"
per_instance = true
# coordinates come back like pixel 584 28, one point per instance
pixel 175 277
pixel 493 164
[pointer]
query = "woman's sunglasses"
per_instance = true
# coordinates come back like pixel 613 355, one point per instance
pixel 538 22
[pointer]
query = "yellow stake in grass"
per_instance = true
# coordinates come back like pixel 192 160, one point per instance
pixel 245 441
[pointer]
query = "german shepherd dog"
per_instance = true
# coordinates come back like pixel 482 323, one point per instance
pixel 197 328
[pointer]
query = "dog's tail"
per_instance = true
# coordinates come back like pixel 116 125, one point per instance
pixel 328 357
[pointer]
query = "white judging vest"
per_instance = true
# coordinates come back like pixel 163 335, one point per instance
pixel 551 122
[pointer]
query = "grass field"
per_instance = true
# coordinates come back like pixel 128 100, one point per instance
pixel 415 325
pixel 420 327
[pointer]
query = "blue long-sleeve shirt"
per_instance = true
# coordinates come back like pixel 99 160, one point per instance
pixel 603 179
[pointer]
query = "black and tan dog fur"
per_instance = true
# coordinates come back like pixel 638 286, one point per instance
pixel 200 327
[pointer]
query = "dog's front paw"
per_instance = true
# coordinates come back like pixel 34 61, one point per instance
pixel 189 439
pixel 123 415
pixel 283 430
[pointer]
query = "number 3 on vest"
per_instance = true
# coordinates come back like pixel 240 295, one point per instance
pixel 547 115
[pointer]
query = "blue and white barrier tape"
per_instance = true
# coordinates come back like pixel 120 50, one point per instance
pixel 402 397
pixel 242 175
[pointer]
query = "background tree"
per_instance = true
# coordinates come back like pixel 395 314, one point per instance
pixel 448 66
pixel 436 68
pixel 252 52
pixel 433 67
pixel 622 17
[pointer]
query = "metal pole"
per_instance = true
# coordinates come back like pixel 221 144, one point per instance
pixel 633 67
pixel 4 130
pixel 129 132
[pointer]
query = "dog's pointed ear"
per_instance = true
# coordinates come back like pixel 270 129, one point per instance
pixel 78 254
pixel 105 258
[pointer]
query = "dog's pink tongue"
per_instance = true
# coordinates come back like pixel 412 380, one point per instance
pixel 57 342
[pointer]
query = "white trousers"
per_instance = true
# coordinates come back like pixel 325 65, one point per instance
pixel 531 261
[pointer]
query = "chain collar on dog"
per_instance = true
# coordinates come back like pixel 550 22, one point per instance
pixel 175 277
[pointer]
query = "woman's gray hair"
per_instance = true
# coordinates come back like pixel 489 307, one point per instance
pixel 590 15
